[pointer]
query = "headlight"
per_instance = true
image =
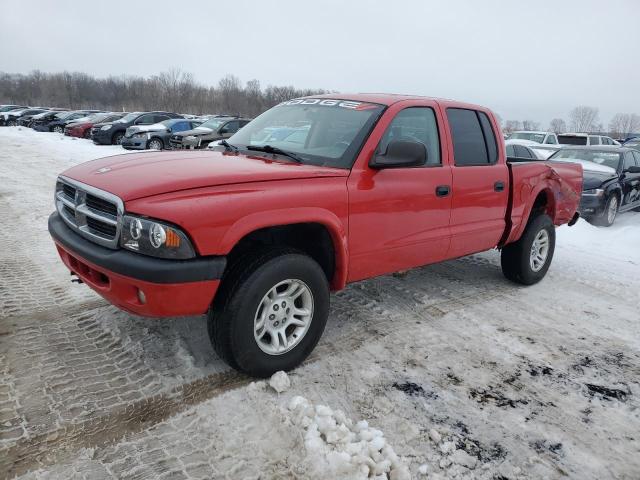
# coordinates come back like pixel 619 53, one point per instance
pixel 139 135
pixel 154 238
pixel 106 127
pixel 596 192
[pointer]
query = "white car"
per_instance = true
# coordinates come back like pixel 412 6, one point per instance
pixel 585 139
pixel 527 149
pixel 543 138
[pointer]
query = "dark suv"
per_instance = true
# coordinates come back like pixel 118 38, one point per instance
pixel 213 129
pixel 112 133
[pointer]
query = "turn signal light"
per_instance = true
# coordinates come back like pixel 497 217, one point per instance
pixel 173 240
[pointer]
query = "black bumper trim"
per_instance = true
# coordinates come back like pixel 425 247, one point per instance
pixel 137 266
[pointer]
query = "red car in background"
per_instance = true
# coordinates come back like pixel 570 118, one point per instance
pixel 82 129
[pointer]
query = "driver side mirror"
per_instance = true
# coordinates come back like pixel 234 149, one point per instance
pixel 400 154
pixel 633 169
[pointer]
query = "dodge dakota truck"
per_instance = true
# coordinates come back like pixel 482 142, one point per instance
pixel 257 234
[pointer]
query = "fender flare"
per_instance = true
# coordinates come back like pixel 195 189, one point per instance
pixel 526 214
pixel 289 216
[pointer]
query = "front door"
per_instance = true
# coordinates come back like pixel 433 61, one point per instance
pixel 399 217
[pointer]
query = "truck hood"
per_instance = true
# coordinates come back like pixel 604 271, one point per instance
pixel 140 175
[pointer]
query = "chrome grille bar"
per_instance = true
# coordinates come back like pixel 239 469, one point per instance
pixel 89 221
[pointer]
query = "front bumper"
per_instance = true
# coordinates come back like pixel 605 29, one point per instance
pixel 41 127
pixel 133 143
pixel 592 205
pixel 102 137
pixel 170 287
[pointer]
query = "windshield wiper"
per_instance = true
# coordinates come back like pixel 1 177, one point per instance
pixel 276 150
pixel 228 146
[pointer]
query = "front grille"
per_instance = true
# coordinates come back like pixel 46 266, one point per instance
pixel 92 213
pixel 100 205
pixel 97 226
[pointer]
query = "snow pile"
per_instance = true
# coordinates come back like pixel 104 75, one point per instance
pixel 337 448
pixel 279 381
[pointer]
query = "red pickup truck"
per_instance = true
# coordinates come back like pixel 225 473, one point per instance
pixel 313 194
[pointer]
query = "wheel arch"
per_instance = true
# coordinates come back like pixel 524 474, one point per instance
pixel 315 231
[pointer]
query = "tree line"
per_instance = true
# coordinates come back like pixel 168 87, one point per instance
pixel 173 90
pixel 583 119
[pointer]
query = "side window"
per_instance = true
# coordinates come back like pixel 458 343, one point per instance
pixel 551 140
pixel 593 140
pixel 522 152
pixel 243 123
pixel 629 161
pixel 180 127
pixel 414 124
pixel 474 142
pixel 511 152
pixel 160 118
pixel 145 119
pixel 231 127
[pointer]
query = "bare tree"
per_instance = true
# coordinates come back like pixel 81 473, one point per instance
pixel 584 119
pixel 558 125
pixel 623 124
pixel 530 125
pixel 512 126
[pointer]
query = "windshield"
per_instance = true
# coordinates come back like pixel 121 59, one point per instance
pixel 572 140
pixel 212 124
pixel 97 117
pixel 322 131
pixel 534 137
pixel 607 159
pixel 63 115
pixel 129 117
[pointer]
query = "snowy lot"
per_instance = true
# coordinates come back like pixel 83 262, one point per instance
pixel 448 371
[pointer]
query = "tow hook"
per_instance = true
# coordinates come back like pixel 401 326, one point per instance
pixel 77 279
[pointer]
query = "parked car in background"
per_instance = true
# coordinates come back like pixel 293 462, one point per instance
pixel 56 121
pixel 632 143
pixel 585 139
pixel 217 128
pixel 8 108
pixel 525 150
pixel 112 133
pixel 82 127
pixel 546 138
pixel 611 180
pixel 10 118
pixel 156 136
pixel 27 120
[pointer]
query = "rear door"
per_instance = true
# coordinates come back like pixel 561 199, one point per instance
pixel 480 183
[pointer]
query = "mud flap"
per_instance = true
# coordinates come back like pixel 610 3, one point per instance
pixel 574 219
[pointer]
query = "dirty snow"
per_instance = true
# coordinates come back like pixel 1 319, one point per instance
pixel 447 371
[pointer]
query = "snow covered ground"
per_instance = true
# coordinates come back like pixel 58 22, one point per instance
pixel 447 371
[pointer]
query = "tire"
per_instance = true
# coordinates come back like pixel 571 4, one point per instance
pixel 58 129
pixel 517 259
pixel 12 123
pixel 117 137
pixel 240 304
pixel 155 144
pixel 610 212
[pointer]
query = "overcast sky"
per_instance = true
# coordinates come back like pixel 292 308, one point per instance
pixel 524 59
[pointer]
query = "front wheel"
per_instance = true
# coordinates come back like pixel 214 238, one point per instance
pixel 12 123
pixel 58 129
pixel 527 260
pixel 155 144
pixel 270 312
pixel 117 138
pixel 610 212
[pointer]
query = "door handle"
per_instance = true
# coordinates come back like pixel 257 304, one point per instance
pixel 498 186
pixel 442 190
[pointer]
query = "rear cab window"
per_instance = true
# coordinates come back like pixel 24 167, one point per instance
pixel 572 140
pixel 474 141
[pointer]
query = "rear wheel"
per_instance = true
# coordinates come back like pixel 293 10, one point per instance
pixel 58 129
pixel 155 144
pixel 610 212
pixel 12 123
pixel 527 260
pixel 117 138
pixel 270 311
